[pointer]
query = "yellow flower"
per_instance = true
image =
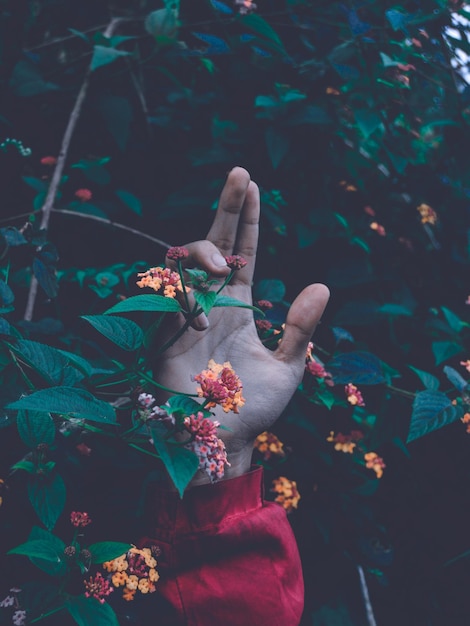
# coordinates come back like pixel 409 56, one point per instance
pixel 375 462
pixel 119 579
pixel 116 565
pixel 268 445
pixel 128 594
pixel 428 214
pixel 132 582
pixel 288 495
pixel 153 575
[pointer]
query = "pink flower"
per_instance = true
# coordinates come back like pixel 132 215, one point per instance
pixel 245 6
pixel 316 368
pixel 264 304
pixel 263 325
pixel 177 253
pixel 98 587
pixel 206 445
pixel 79 520
pixel 354 395
pixel 48 160
pixel 379 229
pixel 84 195
pixel 235 262
pixel 466 365
pixel 220 385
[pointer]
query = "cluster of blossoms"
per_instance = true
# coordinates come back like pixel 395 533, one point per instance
pixel 235 262
pixel 148 409
pixel 316 368
pixel 375 462
pixel 345 443
pixel 428 214
pixel 354 396
pixel 379 229
pixel 161 279
pixel 288 495
pixel 263 325
pixel 79 520
pixel 209 449
pixel 98 587
pixel 19 615
pixel 134 571
pixel 220 385
pixel 269 445
pixel 177 253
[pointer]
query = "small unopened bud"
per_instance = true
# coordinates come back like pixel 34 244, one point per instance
pixel 85 555
pixel 177 253
pixel 70 551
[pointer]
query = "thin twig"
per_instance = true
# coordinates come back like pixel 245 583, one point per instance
pixel 104 220
pixel 365 594
pixel 59 168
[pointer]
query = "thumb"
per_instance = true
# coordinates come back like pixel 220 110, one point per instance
pixel 302 319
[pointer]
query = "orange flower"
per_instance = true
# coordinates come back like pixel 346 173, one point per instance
pixel 345 443
pixel 375 462
pixel 268 444
pixel 428 214
pixel 379 229
pixel 466 420
pixel 288 495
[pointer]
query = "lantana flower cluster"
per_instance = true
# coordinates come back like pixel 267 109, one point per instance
pixel 345 443
pixel 209 449
pixel 375 462
pixel 268 444
pixel 315 367
pixel 288 495
pixel 134 571
pixel 220 385
pixel 353 395
pixel 162 279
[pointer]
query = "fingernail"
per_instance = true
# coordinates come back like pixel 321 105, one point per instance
pixel 218 260
pixel 201 322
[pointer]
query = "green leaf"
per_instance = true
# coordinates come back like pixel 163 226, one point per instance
pixel 163 25
pixel 117 116
pixel 7 297
pixel 184 405
pixel 35 427
pixel 108 550
pixel 453 320
pixel 180 463
pixel 67 401
pixel 326 397
pixel 123 332
pixel 429 381
pixel 205 299
pixel 130 200
pixel 432 410
pixel 444 350
pixel 146 302
pixel 278 144
pixel 36 183
pixel 47 496
pixel 222 300
pixel 91 612
pixel 261 27
pixel 26 466
pixel 51 363
pixel 394 310
pixel 273 290
pixel 359 368
pixel 39 549
pixel 102 55
pixel 368 121
pixel 397 19
pixel 53 568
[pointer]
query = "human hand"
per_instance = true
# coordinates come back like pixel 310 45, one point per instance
pixel 269 378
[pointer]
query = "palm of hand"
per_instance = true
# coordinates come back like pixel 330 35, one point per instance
pixel 269 378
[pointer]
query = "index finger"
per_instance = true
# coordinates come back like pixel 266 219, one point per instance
pixel 223 232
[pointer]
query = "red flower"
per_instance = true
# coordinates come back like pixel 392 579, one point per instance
pixel 263 325
pixel 97 587
pixel 84 195
pixel 264 304
pixel 235 262
pixel 48 160
pixel 79 519
pixel 177 253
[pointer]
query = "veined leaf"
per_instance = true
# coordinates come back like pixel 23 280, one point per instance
pixel 205 299
pixel 180 463
pixel 68 401
pixel 53 568
pixel 102 55
pixel 89 611
pixel 146 302
pixel 47 496
pixel 108 550
pixel 432 410
pixel 429 381
pixel 361 368
pixel 35 427
pixel 123 332
pixel 51 363
pixel 228 301
pixel 444 350
pixel 39 549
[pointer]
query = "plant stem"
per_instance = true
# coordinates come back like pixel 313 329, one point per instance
pixel 150 380
pixel 44 615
